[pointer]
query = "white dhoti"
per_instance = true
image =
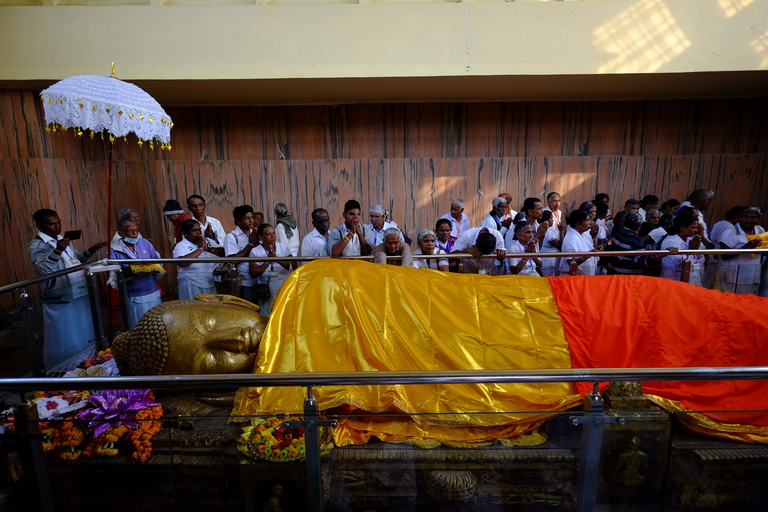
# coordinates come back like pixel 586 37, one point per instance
pixel 68 329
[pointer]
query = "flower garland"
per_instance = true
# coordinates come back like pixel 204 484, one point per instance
pixel 113 415
pixel 269 439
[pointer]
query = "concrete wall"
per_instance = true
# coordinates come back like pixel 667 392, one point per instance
pixel 261 42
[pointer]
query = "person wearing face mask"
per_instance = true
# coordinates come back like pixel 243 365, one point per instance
pixel 427 240
pixel 127 213
pixel 143 293
pixel 271 273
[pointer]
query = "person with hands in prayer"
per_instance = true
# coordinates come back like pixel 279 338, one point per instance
pixel 195 278
pixel 271 273
pixel 352 238
pixel 525 243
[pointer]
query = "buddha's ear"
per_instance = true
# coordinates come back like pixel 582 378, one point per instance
pixel 227 299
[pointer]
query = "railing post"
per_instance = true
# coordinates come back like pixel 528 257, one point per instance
pixel 234 280
pixel 685 272
pixel 311 425
pixel 35 354
pixel 33 457
pixel 122 291
pixel 98 324
pixel 312 440
pixel 591 447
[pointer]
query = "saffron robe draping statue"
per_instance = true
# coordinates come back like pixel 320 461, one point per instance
pixel 337 315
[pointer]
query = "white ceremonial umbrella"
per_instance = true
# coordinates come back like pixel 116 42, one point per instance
pixel 106 105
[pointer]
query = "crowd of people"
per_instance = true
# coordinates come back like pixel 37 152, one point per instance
pixel 505 242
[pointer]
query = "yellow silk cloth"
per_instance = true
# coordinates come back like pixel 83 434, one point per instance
pixel 346 315
pixel 721 429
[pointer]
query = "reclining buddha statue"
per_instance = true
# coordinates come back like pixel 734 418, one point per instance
pixel 348 315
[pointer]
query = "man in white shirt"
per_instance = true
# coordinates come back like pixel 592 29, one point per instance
pixel 479 243
pixel 286 229
pixel 316 241
pixel 211 227
pixel 378 225
pixel 459 220
pixel 67 321
pixel 532 209
pixel 553 204
pixel 468 239
pixel 352 238
pixel 498 218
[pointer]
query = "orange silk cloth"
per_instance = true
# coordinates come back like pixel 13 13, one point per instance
pixel 636 321
pixel 346 315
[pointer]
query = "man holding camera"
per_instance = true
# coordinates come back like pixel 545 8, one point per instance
pixel 67 320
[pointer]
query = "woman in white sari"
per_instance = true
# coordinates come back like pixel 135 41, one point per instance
pixel 524 243
pixel 427 240
pixel 741 274
pixel 271 273
pixel 579 223
pixel 685 234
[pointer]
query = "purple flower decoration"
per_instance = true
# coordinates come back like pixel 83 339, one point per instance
pixel 111 408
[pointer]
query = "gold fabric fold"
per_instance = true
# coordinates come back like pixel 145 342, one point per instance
pixel 345 315
pixel 702 424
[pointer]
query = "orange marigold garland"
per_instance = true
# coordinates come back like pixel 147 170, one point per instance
pixel 66 438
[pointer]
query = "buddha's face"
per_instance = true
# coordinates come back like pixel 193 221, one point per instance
pixel 205 338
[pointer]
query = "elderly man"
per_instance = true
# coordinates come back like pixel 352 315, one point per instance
pixel 211 227
pixel 67 320
pixel 468 240
pixel 457 217
pixel 316 242
pixel 378 225
pixel 173 212
pixel 286 229
pixel 393 246
pixel 127 213
pixel 352 238
pixel 498 219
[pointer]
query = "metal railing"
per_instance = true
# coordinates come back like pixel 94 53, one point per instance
pixel 26 309
pixel 591 420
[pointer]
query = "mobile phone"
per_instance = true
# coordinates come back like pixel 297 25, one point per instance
pixel 72 235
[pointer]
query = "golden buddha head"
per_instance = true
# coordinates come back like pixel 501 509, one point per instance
pixel 213 334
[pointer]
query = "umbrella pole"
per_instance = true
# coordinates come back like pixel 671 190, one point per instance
pixel 109 196
pixel 109 237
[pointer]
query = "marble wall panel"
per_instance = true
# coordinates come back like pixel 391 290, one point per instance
pixel 412 158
